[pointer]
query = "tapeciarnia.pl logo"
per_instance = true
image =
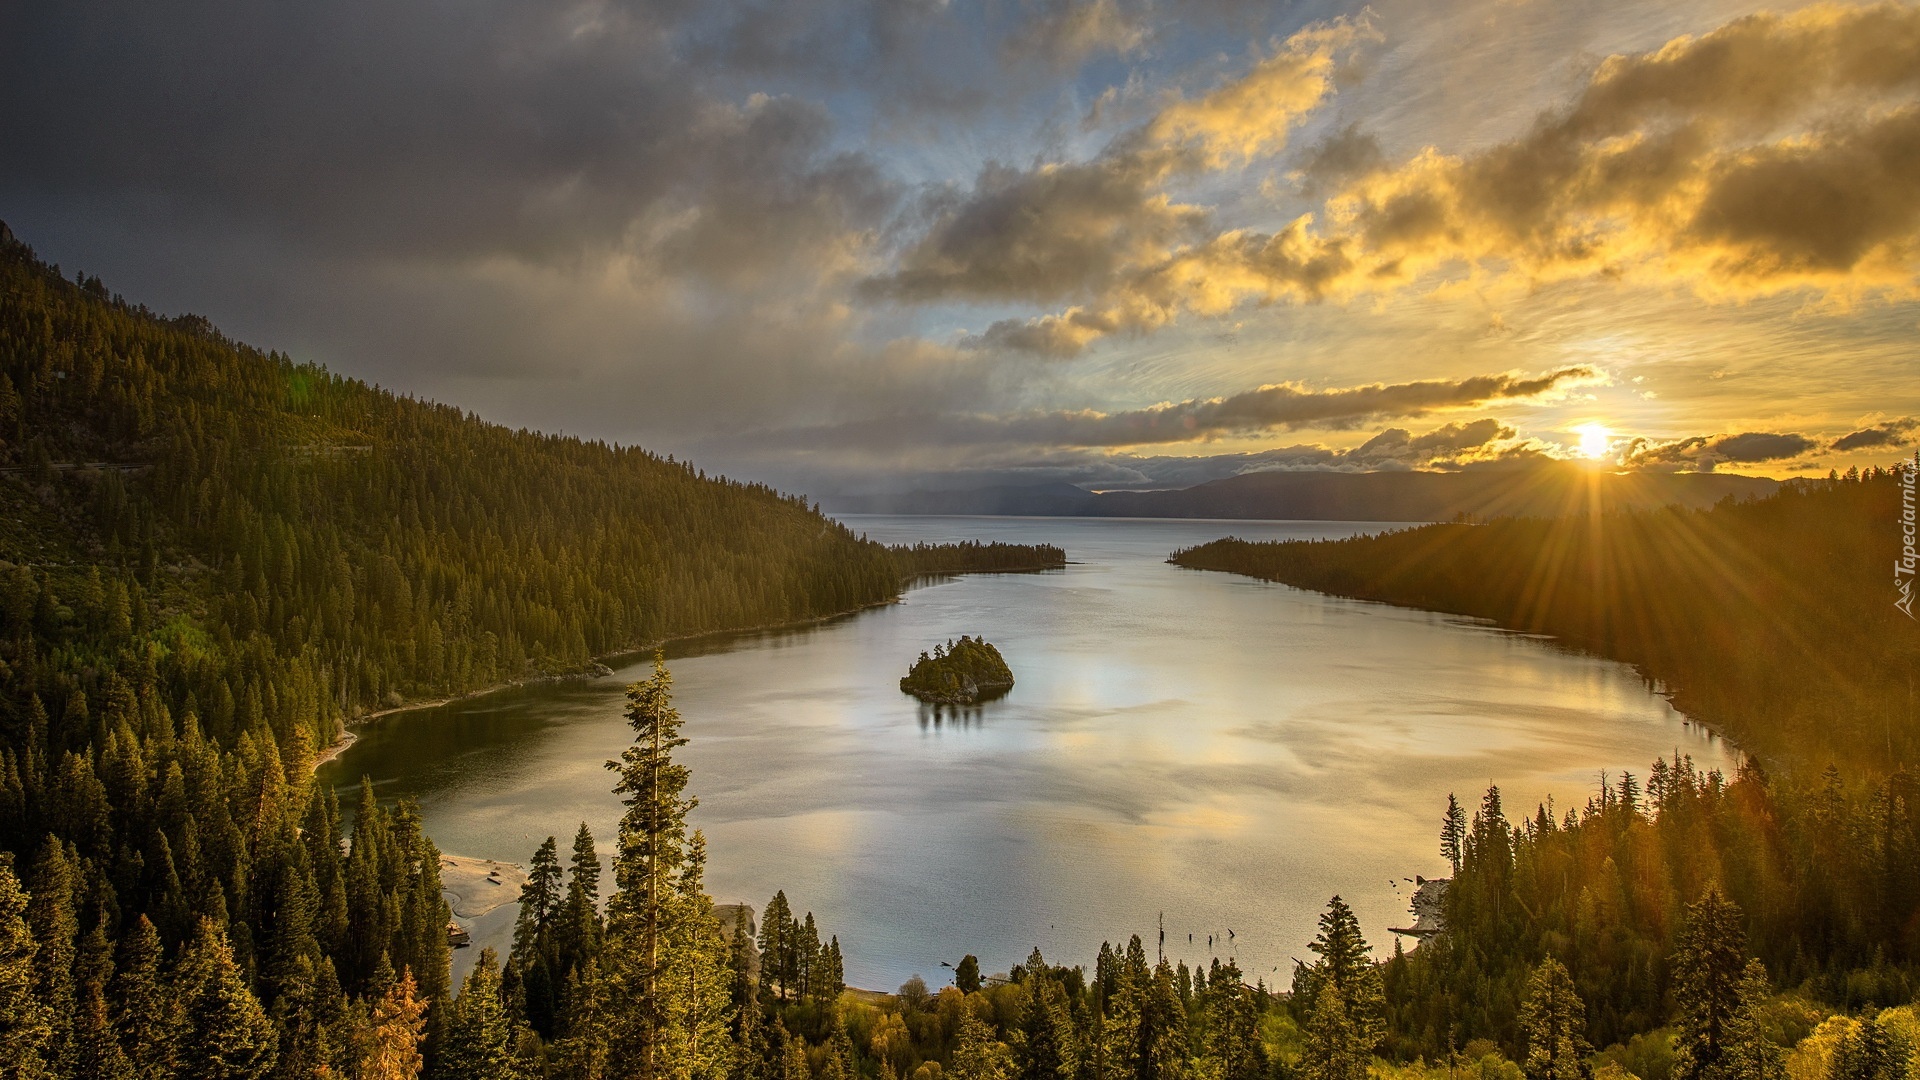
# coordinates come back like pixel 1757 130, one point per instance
pixel 1903 567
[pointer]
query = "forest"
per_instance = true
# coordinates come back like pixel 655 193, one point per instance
pixel 211 558
pixel 215 557
pixel 971 556
pixel 1771 620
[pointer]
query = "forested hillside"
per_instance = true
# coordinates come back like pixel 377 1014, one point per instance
pixel 1771 620
pixel 211 556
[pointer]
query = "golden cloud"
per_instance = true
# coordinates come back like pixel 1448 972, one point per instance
pixel 1778 153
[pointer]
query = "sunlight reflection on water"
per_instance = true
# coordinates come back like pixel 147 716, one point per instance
pixel 1226 751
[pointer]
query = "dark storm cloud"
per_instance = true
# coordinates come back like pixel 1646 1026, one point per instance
pixel 1703 453
pixel 1892 433
pixel 538 131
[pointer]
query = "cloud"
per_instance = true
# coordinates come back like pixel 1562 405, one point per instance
pixel 1344 154
pixel 1057 230
pixel 1892 433
pixel 1063 33
pixel 1445 442
pixel 1778 153
pixel 1702 453
pixel 1280 406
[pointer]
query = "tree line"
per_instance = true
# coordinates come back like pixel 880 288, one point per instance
pixel 211 557
pixel 1772 620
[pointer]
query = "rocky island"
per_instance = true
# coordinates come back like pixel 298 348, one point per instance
pixel 964 672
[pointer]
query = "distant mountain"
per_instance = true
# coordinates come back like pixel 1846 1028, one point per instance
pixel 1540 491
pixel 1548 490
pixel 1010 500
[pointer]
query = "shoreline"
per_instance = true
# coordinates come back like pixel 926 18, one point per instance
pixel 598 668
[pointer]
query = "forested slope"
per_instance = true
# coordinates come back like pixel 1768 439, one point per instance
pixel 352 544
pixel 209 557
pixel 1772 620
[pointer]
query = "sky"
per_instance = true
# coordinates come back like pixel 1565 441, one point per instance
pixel 865 245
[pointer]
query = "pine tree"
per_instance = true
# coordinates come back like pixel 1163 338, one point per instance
pixel 1163 1029
pixel 97 1053
pixel 1233 1048
pixel 395 1030
pixel 1335 1048
pixel 967 975
pixel 976 1054
pixel 667 959
pixel 226 1034
pixel 775 946
pixel 1554 1022
pixel 1708 962
pixel 50 912
pixel 25 1028
pixel 1346 964
pixel 539 898
pixel 580 930
pixel 807 948
pixel 839 1064
pixel 479 1039
pixel 1749 1054
pixel 1118 1048
pixel 146 1011
pixel 1453 833
pixel 1048 1049
pixel 749 1034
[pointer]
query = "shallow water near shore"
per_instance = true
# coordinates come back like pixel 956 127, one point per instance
pixel 1224 752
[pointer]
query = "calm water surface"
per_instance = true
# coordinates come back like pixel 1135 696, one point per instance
pixel 1227 752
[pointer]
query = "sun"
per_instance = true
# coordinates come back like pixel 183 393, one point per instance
pixel 1595 439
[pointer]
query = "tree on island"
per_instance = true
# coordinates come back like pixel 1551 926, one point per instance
pixel 962 672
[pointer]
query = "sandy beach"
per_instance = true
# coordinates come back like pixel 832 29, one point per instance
pixel 477 886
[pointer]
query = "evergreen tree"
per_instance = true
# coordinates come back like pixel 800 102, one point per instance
pixel 1163 1029
pixel 97 1052
pixel 479 1039
pixel 1453 833
pixel 578 939
pixel 776 947
pixel 1346 964
pixel 1708 962
pixel 51 914
pixel 539 898
pixel 967 975
pixel 976 1054
pixel 1118 1054
pixel 1048 1047
pixel 793 1056
pixel 1335 1048
pixel 25 1028
pixel 669 962
pixel 227 1035
pixel 1233 1048
pixel 1554 1023
pixel 395 1030
pixel 146 1012
pixel 839 1064
pixel 1749 1054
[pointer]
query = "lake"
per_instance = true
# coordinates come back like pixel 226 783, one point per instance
pixel 1221 752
